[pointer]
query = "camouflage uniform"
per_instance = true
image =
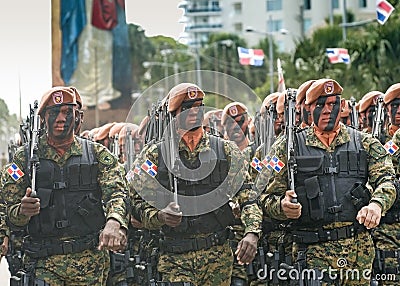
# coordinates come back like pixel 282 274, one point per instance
pixel 90 266
pixel 356 251
pixel 212 266
pixel 387 235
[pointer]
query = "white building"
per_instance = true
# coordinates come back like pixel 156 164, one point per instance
pixel 297 17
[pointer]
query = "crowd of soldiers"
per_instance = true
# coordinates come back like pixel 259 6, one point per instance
pixel 303 192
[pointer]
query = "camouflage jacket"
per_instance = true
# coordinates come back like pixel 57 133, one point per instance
pixel 142 183
pixel 110 179
pixel 380 171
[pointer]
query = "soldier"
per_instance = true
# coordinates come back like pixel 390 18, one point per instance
pixel 194 246
pixel 235 121
pixel 367 109
pixel 387 235
pixel 79 212
pixel 329 210
pixel 102 136
pixel 392 104
pixel 305 116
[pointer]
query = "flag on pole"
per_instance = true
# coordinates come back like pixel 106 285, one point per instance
pixel 281 85
pixel 338 55
pixel 383 11
pixel 253 57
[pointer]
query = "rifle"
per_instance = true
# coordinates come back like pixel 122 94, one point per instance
pixel 34 159
pixel 129 150
pixel 378 119
pixel 173 156
pixel 290 130
pixel 354 113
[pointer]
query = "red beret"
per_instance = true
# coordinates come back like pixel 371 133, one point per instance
pixel 143 125
pixel 301 91
pixel 345 112
pixel 271 98
pixel 115 129
pixel 369 99
pixel 103 131
pixel 58 95
pixel 182 92
pixel 322 87
pixel 392 93
pixel 231 110
pixel 122 133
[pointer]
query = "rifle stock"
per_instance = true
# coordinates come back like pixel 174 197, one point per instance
pixel 354 113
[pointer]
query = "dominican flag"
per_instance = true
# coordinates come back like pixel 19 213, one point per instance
pixel 253 57
pixel 276 164
pixel 15 172
pixel 137 170
pixel 338 55
pixel 129 176
pixel 150 168
pixel 383 11
pixel 391 147
pixel 256 164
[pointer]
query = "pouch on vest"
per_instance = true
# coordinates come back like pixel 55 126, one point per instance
pixel 315 198
pixel 360 195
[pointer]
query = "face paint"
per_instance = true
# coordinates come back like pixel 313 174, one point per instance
pixel 326 112
pixel 394 106
pixel 371 111
pixel 187 109
pixel 305 114
pixel 60 117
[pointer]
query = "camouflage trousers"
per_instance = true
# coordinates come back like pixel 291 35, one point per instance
pixel 89 267
pixel 345 262
pixel 212 266
pixel 387 237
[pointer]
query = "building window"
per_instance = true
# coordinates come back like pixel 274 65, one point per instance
pixel 363 3
pixel 274 25
pixel 307 25
pixel 237 8
pixel 335 4
pixel 238 27
pixel 307 4
pixel 274 5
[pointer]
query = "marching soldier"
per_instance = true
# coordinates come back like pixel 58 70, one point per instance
pixel 329 210
pixel 79 211
pixel 194 246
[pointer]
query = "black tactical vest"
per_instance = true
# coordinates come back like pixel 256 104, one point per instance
pixel 324 181
pixel 209 222
pixel 70 198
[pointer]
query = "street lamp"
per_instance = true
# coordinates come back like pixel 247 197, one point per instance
pixel 270 50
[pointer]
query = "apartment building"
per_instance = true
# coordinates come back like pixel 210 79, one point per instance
pixel 285 20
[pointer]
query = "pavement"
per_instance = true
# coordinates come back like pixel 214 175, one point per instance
pixel 4 274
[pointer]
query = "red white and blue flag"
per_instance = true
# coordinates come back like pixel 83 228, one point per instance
pixel 338 55
pixel 383 11
pixel 276 164
pixel 15 172
pixel 137 170
pixel 265 162
pixel 150 168
pixel 256 164
pixel 129 176
pixel 391 147
pixel 253 57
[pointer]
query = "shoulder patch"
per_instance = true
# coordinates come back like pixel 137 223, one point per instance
pixel 106 158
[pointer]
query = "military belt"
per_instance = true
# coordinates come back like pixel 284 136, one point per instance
pixel 177 245
pixel 40 249
pixel 391 217
pixel 323 235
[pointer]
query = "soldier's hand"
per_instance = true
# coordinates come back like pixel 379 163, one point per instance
pixel 4 247
pixel 113 237
pixel 247 248
pixel 291 210
pixel 30 206
pixel 370 215
pixel 170 215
